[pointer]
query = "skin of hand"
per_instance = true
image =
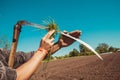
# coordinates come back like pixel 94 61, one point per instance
pixel 47 42
pixel 25 71
pixel 65 41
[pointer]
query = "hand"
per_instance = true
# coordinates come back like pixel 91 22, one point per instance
pixel 66 41
pixel 47 42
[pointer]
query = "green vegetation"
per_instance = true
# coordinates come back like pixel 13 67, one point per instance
pixel 74 53
pixel 52 25
pixel 84 50
pixel 101 48
pixel 113 49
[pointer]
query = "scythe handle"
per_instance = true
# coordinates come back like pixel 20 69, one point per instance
pixel 17 30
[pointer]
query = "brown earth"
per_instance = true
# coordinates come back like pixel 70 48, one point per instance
pixel 81 68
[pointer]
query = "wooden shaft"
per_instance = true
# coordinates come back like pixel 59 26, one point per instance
pixel 16 34
pixel 17 30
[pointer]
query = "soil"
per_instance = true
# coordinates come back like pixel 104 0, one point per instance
pixel 81 68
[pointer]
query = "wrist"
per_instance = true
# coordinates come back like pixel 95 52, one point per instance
pixel 43 50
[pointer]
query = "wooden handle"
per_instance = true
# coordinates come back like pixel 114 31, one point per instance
pixel 16 34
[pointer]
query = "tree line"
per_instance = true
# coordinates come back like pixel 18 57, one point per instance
pixel 84 51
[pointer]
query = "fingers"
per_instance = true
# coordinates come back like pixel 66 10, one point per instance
pixel 49 34
pixel 76 33
pixel 47 42
pixel 50 41
pixel 47 39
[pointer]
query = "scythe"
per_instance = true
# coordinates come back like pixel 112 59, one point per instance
pixel 17 30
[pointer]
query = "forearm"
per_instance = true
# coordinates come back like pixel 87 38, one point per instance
pixel 27 69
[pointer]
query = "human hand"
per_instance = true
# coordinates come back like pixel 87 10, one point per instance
pixel 47 42
pixel 66 41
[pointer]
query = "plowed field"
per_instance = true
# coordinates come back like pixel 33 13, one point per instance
pixel 81 68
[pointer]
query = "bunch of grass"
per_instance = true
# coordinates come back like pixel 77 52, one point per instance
pixel 51 25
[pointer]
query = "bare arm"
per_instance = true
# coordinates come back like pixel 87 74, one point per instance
pixel 27 69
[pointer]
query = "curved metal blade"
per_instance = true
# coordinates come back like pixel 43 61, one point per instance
pixel 36 25
pixel 24 22
pixel 82 42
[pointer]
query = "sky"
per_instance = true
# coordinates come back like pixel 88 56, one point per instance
pixel 99 21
